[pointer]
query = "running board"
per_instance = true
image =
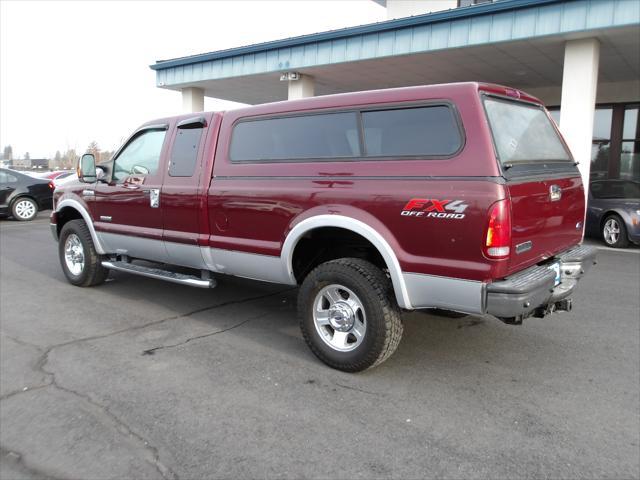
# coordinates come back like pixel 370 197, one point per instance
pixel 160 274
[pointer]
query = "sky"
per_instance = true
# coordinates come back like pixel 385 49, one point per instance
pixel 72 72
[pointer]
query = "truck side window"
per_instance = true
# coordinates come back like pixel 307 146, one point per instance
pixel 140 157
pixel 419 131
pixel 185 152
pixel 300 137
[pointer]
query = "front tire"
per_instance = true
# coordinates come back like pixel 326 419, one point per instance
pixel 24 209
pixel 348 314
pixel 614 232
pixel 80 262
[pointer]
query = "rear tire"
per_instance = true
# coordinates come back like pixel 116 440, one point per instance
pixel 614 232
pixel 24 209
pixel 80 262
pixel 348 314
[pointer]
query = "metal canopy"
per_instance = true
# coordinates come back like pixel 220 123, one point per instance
pixel 515 42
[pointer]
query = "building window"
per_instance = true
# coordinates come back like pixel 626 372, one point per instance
pixel 601 143
pixel 615 151
pixel 630 151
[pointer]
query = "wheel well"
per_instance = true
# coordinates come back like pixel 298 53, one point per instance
pixel 65 215
pixel 329 243
pixel 24 195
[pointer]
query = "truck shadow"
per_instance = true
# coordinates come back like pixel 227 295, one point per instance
pixel 429 343
pixel 257 313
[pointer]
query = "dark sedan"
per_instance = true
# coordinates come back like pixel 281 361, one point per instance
pixel 22 196
pixel 613 212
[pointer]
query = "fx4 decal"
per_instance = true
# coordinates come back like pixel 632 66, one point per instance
pixel 434 208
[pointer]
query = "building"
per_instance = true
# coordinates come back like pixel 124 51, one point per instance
pixel 581 57
pixel 30 163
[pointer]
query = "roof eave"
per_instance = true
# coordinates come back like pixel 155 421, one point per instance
pixel 425 19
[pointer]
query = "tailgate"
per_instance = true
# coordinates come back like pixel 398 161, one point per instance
pixel 542 180
pixel 542 226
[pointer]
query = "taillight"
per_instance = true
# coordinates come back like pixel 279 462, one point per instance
pixel 52 185
pixel 497 243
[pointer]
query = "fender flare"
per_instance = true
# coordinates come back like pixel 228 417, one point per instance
pixel 76 205
pixel 356 226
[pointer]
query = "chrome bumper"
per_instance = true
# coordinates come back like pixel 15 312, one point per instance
pixel 534 290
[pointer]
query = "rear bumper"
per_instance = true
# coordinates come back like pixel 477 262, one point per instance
pixel 534 290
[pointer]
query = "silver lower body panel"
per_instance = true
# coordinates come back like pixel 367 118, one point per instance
pixel 431 291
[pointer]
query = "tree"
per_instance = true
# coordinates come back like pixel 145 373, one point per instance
pixel 95 150
pixel 69 158
pixel 27 156
pixel 105 155
pixel 8 153
pixel 57 160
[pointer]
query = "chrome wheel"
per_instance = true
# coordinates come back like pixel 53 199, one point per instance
pixel 74 254
pixel 339 318
pixel 611 231
pixel 25 209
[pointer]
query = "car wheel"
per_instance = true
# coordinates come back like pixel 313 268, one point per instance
pixel 80 262
pixel 348 314
pixel 24 209
pixel 614 232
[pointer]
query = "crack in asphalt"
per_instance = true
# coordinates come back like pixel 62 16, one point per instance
pixel 164 471
pixel 152 351
pixel 348 387
pixel 21 342
pixel 24 390
pixel 17 458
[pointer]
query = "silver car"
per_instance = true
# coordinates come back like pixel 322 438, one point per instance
pixel 613 212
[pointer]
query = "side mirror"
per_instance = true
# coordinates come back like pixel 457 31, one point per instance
pixel 87 168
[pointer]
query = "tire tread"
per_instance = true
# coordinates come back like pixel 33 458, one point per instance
pixel 383 291
pixel 97 274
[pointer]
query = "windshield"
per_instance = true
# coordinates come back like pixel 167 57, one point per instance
pixel 615 189
pixel 523 133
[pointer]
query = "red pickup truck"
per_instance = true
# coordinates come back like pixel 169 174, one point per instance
pixel 460 197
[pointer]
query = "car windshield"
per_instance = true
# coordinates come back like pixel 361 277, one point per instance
pixel 615 189
pixel 523 133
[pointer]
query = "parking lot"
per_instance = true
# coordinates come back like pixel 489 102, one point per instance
pixel 144 379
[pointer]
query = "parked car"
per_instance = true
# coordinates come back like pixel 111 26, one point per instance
pixel 65 179
pixel 461 197
pixel 52 175
pixel 22 196
pixel 613 212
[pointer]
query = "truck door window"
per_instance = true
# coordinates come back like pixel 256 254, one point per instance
pixel 185 152
pixel 140 157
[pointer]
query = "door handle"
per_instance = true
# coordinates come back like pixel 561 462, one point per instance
pixel 154 197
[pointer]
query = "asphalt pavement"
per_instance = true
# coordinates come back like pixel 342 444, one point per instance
pixel 139 378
